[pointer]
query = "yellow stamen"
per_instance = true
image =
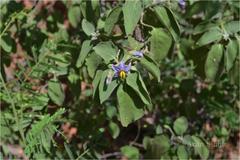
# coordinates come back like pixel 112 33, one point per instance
pixel 122 74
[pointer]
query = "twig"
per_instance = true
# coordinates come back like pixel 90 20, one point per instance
pixel 144 24
pixel 110 155
pixel 137 144
pixel 138 132
pixel 81 155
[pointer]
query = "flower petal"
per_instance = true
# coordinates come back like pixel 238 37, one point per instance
pixel 138 54
pixel 128 67
pixel 115 68
pixel 182 4
pixel 121 65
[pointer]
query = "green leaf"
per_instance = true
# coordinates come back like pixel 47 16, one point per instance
pixel 92 63
pixel 112 20
pixel 86 48
pixel 69 152
pixel 139 87
pixel 161 43
pixel 203 27
pixel 74 16
pixel 156 147
pixel 180 125
pixel 130 152
pixel 231 54
pixel 200 147
pixel 39 137
pixel 134 44
pixel 128 110
pixel 234 75
pixel 167 18
pixel 212 35
pixel 114 129
pixel 96 81
pixel 106 51
pixel 232 27
pixel 131 12
pixel 105 90
pixel 151 66
pixel 111 111
pixel 182 153
pixel 213 61
pixel 6 43
pixel 55 92
pixel 88 27
pixel 61 59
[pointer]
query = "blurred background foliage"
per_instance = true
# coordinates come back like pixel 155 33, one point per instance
pixel 50 53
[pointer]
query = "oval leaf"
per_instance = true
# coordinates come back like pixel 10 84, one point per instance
pixel 213 61
pixel 182 153
pixel 86 48
pixel 200 147
pixel 167 18
pixel 212 35
pixel 92 63
pixel 88 27
pixel 130 152
pixel 106 51
pixel 74 16
pixel 128 110
pixel 131 12
pixel 231 54
pixel 112 19
pixel 55 92
pixel 151 66
pixel 105 90
pixel 161 43
pixel 180 125
pixel 114 129
pixel 140 88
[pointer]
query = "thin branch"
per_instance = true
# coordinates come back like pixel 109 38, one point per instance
pixel 110 155
pixel 144 24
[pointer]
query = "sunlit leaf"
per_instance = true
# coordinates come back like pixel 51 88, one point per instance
pixel 112 19
pixel 114 129
pixel 134 82
pixel 200 147
pixel 167 18
pixel 212 35
pixel 106 51
pixel 180 125
pixel 131 12
pixel 231 54
pixel 213 61
pixel 74 15
pixel 86 47
pixel 55 92
pixel 151 66
pixel 105 90
pixel 88 27
pixel 161 43
pixel 130 152
pixel 128 110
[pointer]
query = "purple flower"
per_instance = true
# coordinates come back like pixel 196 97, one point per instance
pixel 182 4
pixel 138 54
pixel 121 70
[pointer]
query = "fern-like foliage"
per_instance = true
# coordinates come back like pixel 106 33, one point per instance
pixel 39 138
